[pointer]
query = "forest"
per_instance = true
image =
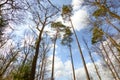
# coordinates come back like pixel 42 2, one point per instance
pixel 59 39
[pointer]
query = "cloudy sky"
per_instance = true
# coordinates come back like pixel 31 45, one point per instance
pixel 63 70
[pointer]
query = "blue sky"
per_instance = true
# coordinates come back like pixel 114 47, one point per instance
pixel 61 2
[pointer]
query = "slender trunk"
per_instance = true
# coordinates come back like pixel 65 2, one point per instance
pixel 113 53
pixel 41 68
pixel 6 67
pixel 113 25
pixel 92 59
pixel 74 78
pixel 80 50
pixel 52 74
pixel 110 61
pixel 113 42
pixel 34 62
pixel 43 73
pixel 108 65
pixel 22 66
pixel 43 59
pixel 23 63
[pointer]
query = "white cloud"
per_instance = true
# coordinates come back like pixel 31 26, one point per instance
pixel 76 4
pixel 104 73
pixel 80 15
pixel 64 70
pixel 61 69
pixel 80 19
pixel 68 66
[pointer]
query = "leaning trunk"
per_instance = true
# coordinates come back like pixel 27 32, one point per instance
pixel 43 62
pixel 91 57
pixel 52 74
pixel 113 53
pixel 110 61
pixel 44 68
pixel 34 62
pixel 108 65
pixel 74 78
pixel 6 67
pixel 113 25
pixel 80 50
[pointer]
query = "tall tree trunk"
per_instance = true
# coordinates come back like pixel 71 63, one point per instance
pixel 23 63
pixel 53 58
pixel 108 65
pixel 92 59
pixel 110 61
pixel 80 50
pixel 113 25
pixel 22 66
pixel 44 67
pixel 43 62
pixel 73 69
pixel 113 42
pixel 41 68
pixel 113 53
pixel 8 64
pixel 34 62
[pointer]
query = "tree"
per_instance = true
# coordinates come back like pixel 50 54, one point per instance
pixel 92 59
pixel 66 14
pixel 67 40
pixel 24 72
pixel 98 37
pixel 7 60
pixel 59 27
pixel 110 62
pixel 44 49
pixel 42 16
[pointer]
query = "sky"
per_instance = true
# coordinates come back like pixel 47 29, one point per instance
pixel 63 70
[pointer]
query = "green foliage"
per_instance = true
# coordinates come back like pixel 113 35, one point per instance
pixel 66 9
pixel 97 35
pixel 67 37
pixel 58 26
pixel 66 12
pixel 2 22
pixel 23 73
pixel 100 12
pixel 68 31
